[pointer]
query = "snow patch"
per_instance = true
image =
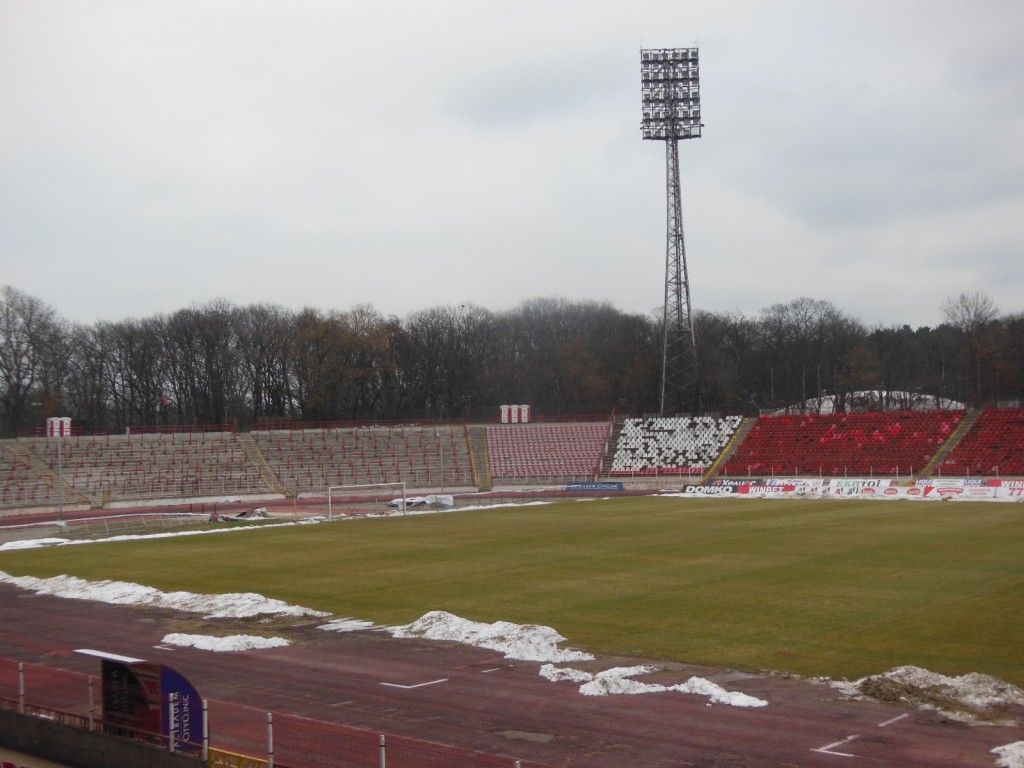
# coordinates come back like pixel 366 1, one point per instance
pixel 229 605
pixel 346 625
pixel 221 644
pixel 32 543
pixel 973 689
pixel 619 681
pixel 961 697
pixel 524 642
pixel 557 674
pixel 1010 755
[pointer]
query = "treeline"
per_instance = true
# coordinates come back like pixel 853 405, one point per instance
pixel 221 363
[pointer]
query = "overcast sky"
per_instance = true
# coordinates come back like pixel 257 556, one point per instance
pixel 406 155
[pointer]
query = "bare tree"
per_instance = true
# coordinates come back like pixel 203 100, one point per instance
pixel 265 336
pixel 972 314
pixel 134 369
pixel 33 358
pixel 87 395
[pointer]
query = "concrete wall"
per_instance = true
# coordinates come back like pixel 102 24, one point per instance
pixel 64 744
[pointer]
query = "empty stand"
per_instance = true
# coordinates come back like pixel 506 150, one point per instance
pixel 116 468
pixel 546 452
pixel 314 459
pixel 994 446
pixel 26 482
pixel 672 445
pixel 834 445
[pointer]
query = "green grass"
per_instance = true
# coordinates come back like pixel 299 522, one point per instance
pixel 839 588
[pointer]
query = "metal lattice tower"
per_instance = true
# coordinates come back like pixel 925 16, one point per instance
pixel 671 111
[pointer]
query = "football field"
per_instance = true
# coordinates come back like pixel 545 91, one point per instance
pixel 840 588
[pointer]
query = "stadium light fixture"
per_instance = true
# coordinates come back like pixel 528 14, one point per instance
pixel 671 93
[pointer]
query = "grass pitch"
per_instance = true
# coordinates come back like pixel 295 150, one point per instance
pixel 842 588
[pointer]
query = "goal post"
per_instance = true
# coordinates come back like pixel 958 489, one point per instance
pixel 365 492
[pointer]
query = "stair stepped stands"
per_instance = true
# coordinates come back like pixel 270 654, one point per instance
pixel 311 460
pixel 109 468
pixel 522 453
pixel 893 444
pixel 680 445
pixel 994 446
pixel 24 485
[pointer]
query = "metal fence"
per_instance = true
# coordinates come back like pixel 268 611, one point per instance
pixel 239 736
pixel 107 525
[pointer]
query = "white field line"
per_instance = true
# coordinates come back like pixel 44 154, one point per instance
pixel 419 685
pixel 827 749
pixel 894 720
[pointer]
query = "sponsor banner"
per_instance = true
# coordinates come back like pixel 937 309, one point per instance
pixel 759 485
pixel 709 490
pixel 954 492
pixel 766 489
pixel 942 482
pixel 967 492
pixel 143 697
pixel 853 486
pixel 594 487
pixel 803 484
pixel 931 492
pixel 739 482
pixel 980 492
pixel 131 697
pixel 182 711
pixel 1003 483
pixel 806 482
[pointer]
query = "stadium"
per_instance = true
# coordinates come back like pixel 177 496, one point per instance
pixel 696 539
pixel 930 472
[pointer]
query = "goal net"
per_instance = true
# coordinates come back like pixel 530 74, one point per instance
pixel 366 497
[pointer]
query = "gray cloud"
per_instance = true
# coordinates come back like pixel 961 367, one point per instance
pixel 407 155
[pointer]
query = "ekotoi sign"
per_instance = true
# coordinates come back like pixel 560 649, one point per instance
pixel 855 486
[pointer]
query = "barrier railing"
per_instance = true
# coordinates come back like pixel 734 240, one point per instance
pixel 239 736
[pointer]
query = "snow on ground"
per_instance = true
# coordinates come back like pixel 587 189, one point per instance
pixel 55 541
pixel 968 698
pixel 533 642
pixel 219 644
pixel 31 543
pixel 975 690
pixel 525 642
pixel 346 625
pixel 619 680
pixel 228 605
pixel 1010 755
pixel 58 542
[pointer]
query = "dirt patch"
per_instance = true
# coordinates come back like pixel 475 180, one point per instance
pixel 971 697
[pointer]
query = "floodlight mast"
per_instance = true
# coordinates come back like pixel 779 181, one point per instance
pixel 671 111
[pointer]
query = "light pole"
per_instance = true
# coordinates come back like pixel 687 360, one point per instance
pixel 671 111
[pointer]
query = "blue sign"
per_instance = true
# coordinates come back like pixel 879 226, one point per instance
pixel 594 487
pixel 144 697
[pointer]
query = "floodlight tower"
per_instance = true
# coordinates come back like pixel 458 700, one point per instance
pixel 671 108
